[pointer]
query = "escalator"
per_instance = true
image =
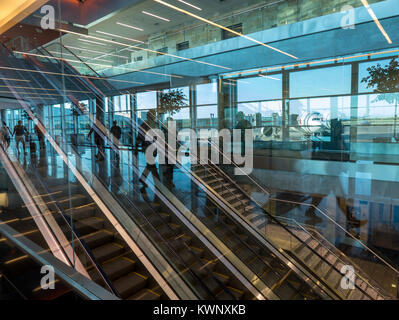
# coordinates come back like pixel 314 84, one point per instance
pixel 24 252
pixel 278 277
pixel 264 261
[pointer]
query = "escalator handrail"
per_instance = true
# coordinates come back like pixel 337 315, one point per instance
pixel 330 245
pixel 75 232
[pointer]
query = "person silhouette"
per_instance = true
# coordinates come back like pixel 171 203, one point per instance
pixel 144 128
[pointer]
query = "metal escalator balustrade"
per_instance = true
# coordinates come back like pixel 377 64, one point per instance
pixel 242 202
pixel 128 277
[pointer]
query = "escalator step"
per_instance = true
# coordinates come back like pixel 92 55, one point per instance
pixel 228 191
pixel 130 284
pixel 145 294
pixel 285 291
pixel 175 227
pixel 198 251
pixel 107 251
pixel 202 268
pixel 116 268
pixel 89 225
pixel 98 238
pixel 270 278
pixel 224 295
pixel 82 212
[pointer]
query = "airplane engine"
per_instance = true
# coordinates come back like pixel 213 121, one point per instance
pixel 310 122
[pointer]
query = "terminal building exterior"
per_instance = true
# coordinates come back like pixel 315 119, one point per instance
pixel 199 150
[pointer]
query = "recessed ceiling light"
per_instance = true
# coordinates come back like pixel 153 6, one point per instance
pixel 129 26
pixel 85 40
pixel 155 16
pixel 114 35
pixel 191 5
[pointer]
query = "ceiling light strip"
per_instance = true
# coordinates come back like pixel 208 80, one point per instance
pixel 224 28
pixel 191 5
pixel 129 26
pixel 85 40
pixel 61 59
pixel 269 77
pixel 114 35
pixel 94 51
pixel 155 16
pixel 82 57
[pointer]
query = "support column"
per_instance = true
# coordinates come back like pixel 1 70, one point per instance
pixel 286 106
pixel 40 112
pixel 354 103
pixel 227 104
pixel 3 115
pixel 100 113
pixel 133 116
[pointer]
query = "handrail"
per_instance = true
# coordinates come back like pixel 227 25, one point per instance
pixel 338 258
pixel 79 283
pixel 75 233
pixel 342 229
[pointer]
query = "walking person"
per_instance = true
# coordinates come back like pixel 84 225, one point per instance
pixel 169 165
pixel 40 137
pixel 145 127
pixel 116 132
pixel 6 135
pixel 19 132
pixel 99 141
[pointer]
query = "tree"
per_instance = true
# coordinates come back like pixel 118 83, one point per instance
pixel 385 80
pixel 171 101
